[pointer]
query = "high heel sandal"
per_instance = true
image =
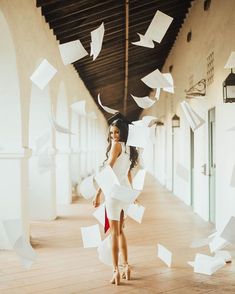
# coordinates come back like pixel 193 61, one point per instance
pixel 126 274
pixel 116 277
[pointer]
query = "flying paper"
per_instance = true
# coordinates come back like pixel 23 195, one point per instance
pixel 43 74
pixel 194 120
pixel 45 161
pixel 156 30
pixel 149 120
pixel 107 109
pixel 225 255
pixel 217 243
pixel 228 232
pixel 99 214
pixel 57 127
pixel 156 80
pixel 96 41
pixel 91 236
pixel 144 42
pixel 106 179
pixel 72 51
pixel 104 251
pixel 158 26
pixel 124 193
pixel 42 140
pixel 231 61
pixel 164 254
pixel 143 102
pixel 138 180
pixel 137 136
pixel 136 212
pixel 207 265
pixel 21 246
pixel 169 78
pixel 87 188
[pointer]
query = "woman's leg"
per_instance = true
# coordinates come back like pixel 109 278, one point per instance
pixel 122 239
pixel 114 230
pixel 126 274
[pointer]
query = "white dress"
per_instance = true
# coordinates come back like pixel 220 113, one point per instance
pixel 120 168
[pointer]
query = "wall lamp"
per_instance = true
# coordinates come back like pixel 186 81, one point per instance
pixel 229 88
pixel 175 121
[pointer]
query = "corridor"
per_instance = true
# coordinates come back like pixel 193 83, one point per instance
pixel 63 266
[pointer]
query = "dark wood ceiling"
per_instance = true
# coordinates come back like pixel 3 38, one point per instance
pixel 75 19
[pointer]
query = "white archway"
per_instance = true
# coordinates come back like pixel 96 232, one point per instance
pixel 12 202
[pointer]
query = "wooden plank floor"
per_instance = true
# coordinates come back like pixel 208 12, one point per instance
pixel 63 266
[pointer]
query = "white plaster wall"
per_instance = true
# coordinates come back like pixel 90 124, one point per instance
pixel 212 30
pixel 34 41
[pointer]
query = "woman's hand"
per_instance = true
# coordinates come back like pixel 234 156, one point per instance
pixel 96 200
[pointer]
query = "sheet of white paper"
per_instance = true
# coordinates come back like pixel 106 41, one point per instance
pixel 99 214
pixel 72 51
pixel 157 93
pixel 104 251
pixel 143 102
pixel 45 161
pixel 79 107
pixel 217 243
pixel 137 136
pixel 158 26
pixel 107 109
pixel 144 42
pixel 200 243
pixel 156 80
pixel 138 180
pixel 58 127
pixel 149 120
pixel 91 236
pixel 169 78
pixel 42 140
pixel 87 188
pixel 43 74
pixel 207 265
pixel 25 252
pixel 136 212
pixel 97 40
pixel 191 263
pixel 182 172
pixel 138 123
pixel 124 193
pixel 232 181
pixel 13 229
pixel 164 254
pixel 228 232
pixel 23 249
pixel 194 120
pixel 106 179
pixel 231 61
pixel 224 254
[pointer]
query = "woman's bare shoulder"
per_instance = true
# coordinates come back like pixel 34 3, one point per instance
pixel 116 146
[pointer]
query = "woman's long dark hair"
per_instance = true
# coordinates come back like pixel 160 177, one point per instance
pixel 123 134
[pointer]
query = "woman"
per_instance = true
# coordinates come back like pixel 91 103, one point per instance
pixel 122 159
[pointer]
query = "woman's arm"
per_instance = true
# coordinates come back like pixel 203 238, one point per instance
pixel 129 177
pixel 96 199
pixel 115 151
